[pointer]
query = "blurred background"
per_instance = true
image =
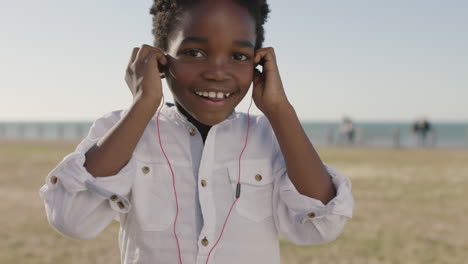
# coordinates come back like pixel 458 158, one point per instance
pixel 380 88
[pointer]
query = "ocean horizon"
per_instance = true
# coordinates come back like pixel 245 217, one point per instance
pixel 373 134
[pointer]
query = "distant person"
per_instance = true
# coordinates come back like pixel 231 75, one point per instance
pixel 347 130
pixel 174 175
pixel 422 128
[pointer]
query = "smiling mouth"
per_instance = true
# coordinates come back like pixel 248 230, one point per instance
pixel 212 95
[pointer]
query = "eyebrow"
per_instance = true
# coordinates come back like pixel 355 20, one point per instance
pixel 194 39
pixel 242 43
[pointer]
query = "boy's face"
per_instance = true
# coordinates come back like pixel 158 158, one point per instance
pixel 211 54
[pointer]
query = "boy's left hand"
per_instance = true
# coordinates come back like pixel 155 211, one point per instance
pixel 268 92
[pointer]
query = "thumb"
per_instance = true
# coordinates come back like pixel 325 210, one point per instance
pixel 258 78
pixel 154 61
pixel 257 84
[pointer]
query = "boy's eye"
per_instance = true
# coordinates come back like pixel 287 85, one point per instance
pixel 194 53
pixel 239 56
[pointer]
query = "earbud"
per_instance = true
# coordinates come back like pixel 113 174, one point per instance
pixel 162 70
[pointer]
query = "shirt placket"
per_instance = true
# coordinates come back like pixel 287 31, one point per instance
pixel 207 237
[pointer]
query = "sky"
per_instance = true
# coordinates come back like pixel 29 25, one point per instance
pixel 372 60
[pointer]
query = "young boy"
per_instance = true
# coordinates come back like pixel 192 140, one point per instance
pixel 199 182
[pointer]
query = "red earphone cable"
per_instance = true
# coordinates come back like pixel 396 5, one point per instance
pixel 174 185
pixel 173 181
pixel 238 183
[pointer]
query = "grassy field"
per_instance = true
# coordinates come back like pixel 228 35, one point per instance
pixel 410 208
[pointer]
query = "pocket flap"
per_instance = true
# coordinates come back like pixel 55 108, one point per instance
pixel 253 172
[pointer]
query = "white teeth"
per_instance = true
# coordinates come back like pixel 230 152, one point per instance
pixel 219 95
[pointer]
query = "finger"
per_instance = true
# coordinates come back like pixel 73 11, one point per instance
pixel 266 57
pixel 143 52
pixel 257 90
pixel 161 59
pixel 141 58
pixel 130 68
pixel 257 78
pixel 156 60
pixel 162 65
pixel 134 54
pixel 260 54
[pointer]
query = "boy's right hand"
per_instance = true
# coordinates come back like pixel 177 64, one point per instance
pixel 143 75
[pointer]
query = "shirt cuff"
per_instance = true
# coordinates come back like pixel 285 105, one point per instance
pixel 308 209
pixel 75 178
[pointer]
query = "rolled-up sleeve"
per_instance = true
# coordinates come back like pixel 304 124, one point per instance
pixel 79 205
pixel 304 220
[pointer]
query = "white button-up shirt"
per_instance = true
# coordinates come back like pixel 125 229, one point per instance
pixel 141 195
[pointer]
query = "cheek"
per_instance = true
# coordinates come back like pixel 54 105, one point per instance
pixel 182 76
pixel 245 75
pixel 181 72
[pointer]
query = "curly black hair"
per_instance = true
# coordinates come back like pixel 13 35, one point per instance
pixel 166 12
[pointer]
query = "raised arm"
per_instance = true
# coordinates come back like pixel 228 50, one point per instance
pixel 305 169
pixel 114 150
pixel 79 202
pixel 311 201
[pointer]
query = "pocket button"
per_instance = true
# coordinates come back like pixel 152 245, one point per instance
pixel 258 177
pixel 145 170
pixel 121 205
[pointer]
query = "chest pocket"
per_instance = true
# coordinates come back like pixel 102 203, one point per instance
pixel 151 197
pixel 255 202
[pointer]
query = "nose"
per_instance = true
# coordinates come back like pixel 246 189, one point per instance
pixel 217 70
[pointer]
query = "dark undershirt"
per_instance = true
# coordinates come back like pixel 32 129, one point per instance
pixel 202 128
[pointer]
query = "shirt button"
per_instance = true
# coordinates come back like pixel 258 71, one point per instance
pixel 114 197
pixel 192 131
pixel 53 179
pixel 145 170
pixel 203 183
pixel 121 205
pixel 258 177
pixel 311 215
pixel 204 242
